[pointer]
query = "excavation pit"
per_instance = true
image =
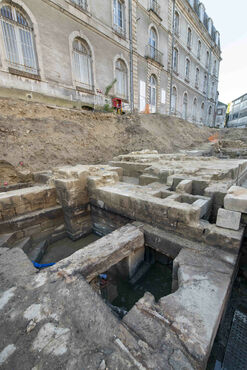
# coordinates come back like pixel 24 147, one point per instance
pixel 153 275
pixel 176 306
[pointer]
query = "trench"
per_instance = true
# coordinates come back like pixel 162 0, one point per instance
pixel 153 275
pixel 64 248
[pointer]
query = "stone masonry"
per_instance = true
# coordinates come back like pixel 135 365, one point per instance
pixel 185 207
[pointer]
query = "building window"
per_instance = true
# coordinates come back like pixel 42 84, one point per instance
pixel 122 79
pixel 202 113
pixel 207 59
pixel 175 60
pixel 210 115
pixel 194 114
pixel 215 67
pixel 82 61
pixel 187 69
pixel 197 78
pixel 185 107
pixel 153 43
pixel 212 91
pixel 18 40
pixel 189 38
pixel 174 100
pixel 152 93
pixel 205 84
pixel 118 17
pixel 176 23
pixel 199 47
pixel 81 3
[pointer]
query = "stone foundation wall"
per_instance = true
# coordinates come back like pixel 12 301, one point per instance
pixel 18 202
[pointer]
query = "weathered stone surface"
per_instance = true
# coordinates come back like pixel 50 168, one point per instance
pixel 148 179
pixel 185 186
pixel 99 256
pixel 104 222
pixel 228 219
pixel 236 199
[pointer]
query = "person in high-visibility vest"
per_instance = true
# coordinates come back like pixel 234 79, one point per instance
pixel 229 108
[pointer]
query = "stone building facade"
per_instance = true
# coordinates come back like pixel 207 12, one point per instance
pixel 164 55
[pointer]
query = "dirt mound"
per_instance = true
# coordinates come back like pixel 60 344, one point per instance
pixel 10 175
pixel 43 137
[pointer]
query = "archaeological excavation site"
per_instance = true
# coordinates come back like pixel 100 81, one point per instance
pixel 130 264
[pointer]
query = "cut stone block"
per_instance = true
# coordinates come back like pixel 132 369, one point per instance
pixel 228 219
pixel 236 199
pixel 185 186
pixel 148 179
pixel 106 252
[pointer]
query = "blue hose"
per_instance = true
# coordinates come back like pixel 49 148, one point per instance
pixel 42 266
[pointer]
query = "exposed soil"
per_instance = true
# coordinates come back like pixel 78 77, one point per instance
pixel 37 137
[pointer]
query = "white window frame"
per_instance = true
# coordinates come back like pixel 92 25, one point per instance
pixel 18 37
pixel 82 65
pixel 175 60
pixel 187 69
pixel 119 17
pixel 122 79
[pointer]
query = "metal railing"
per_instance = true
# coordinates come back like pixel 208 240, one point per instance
pixel 154 6
pixel 120 30
pixel 154 54
pixel 82 4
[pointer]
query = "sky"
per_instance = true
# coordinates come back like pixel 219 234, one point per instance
pixel 230 19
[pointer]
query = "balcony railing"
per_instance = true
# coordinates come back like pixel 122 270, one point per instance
pixel 154 54
pixel 154 6
pixel 119 30
pixel 82 4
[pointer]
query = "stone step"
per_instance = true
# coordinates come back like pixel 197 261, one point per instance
pixel 24 244
pixel 7 240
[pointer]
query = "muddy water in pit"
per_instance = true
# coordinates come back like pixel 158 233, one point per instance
pixel 157 281
pixel 65 247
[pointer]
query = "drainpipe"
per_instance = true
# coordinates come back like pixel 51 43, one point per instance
pixel 173 42
pixel 131 58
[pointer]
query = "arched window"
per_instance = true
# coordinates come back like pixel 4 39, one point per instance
pixel 210 115
pixel 174 100
pixel 210 26
pixel 176 23
pixel 194 113
pixel 175 59
pixel 189 36
pixel 82 61
pixel 153 94
pixel 153 43
pixel 207 59
pixel 187 69
pixel 81 3
pixel 197 78
pixel 118 16
pixel 201 12
pixel 18 39
pixel 185 106
pixel 205 84
pixel 215 67
pixel 202 113
pixel 199 47
pixel 212 91
pixel 122 79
